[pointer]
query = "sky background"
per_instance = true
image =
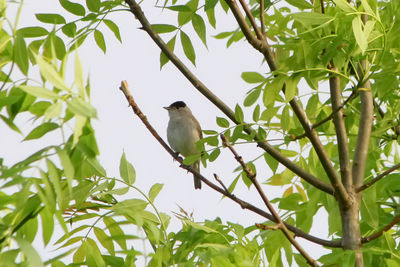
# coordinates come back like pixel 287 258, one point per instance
pixel 118 130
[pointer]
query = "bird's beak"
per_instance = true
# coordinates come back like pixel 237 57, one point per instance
pixel 167 108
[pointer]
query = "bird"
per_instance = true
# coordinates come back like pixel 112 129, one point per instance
pixel 183 132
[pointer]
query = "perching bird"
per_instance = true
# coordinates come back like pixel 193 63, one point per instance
pixel 183 132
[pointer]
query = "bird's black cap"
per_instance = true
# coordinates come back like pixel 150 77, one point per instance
pixel 178 104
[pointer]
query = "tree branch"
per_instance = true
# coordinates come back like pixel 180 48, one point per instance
pixel 252 176
pixel 265 49
pixel 262 20
pixel 137 11
pixel 386 228
pixel 328 118
pixel 365 126
pixel 377 178
pixel 224 191
pixel 246 9
pixel 341 134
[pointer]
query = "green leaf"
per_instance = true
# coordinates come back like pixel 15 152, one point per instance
pixel 223 35
pixel 271 91
pixel 210 4
pixel 53 111
pixel 116 231
pixel 359 34
pixel 39 108
pixel 56 182
pixel 78 106
pixel 10 123
pixel 50 18
pixel 272 162
pixel 31 254
pixel 291 88
pixel 74 8
pixel 200 27
pixel 310 18
pixel 189 160
pixel 222 122
pixel 21 54
pixel 253 77
pixel 69 29
pixel 105 241
pixel 239 116
pixel 51 75
pixel 47 225
pixel 211 17
pixel 345 6
pixel 93 5
pixel 163 58
pixel 79 123
pixel 214 155
pixel 79 76
pixel 301 4
pixel 41 130
pixel 163 28
pixel 114 28
pixel 29 32
pixel 256 113
pixel 68 167
pixel 126 170
pixel 154 190
pixel 252 97
pixel 188 48
pixel 99 38
pixel 39 92
pixel 180 8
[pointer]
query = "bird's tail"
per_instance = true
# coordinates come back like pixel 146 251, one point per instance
pixel 197 181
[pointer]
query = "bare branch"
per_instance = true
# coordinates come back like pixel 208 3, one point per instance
pixel 252 177
pixel 386 228
pixel 137 11
pixel 341 134
pixel 220 182
pixel 377 178
pixel 223 191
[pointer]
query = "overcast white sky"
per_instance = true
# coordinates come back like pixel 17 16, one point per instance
pixel 118 129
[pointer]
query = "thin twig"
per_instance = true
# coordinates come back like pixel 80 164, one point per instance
pixel 220 182
pixel 386 228
pixel 253 22
pixel 315 125
pixel 377 178
pixel 311 179
pixel 243 204
pixel 268 227
pixel 262 20
pixel 252 176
